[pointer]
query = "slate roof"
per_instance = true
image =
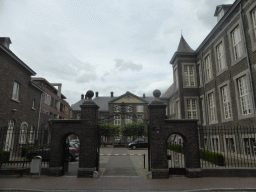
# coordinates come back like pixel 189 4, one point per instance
pixel 183 46
pixel 169 92
pixel 103 102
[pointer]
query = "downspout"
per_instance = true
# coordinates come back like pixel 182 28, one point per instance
pixel 248 60
pixel 39 116
pixel 205 96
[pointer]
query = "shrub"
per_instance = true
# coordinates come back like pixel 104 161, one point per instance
pixel 4 155
pixel 26 149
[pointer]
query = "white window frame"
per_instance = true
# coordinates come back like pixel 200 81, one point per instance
pixel 140 118
pixel 191 108
pixel 117 108
pixel 32 134
pixel 215 147
pixel 220 57
pixel 16 91
pixel 200 74
pixel 176 78
pixel 33 104
pixel 47 99
pixel 128 109
pixel 208 67
pixel 252 146
pixel 203 109
pixel 23 133
pixel 117 120
pixel 244 95
pixel 226 145
pixel 237 43
pixel 189 75
pixel 140 108
pixel 226 102
pixel 212 110
pixel 128 119
pixel 9 136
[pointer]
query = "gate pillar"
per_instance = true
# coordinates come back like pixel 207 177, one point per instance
pixel 88 143
pixel 158 148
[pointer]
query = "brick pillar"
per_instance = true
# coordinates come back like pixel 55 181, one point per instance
pixel 88 142
pixel 159 166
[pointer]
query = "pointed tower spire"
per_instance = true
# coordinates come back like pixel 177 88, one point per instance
pixel 183 46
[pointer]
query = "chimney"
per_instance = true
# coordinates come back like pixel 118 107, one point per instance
pixel 112 94
pixel 97 94
pixel 5 41
pixel 82 96
pixel 144 95
pixel 59 88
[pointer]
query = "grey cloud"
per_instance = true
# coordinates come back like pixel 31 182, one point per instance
pixel 124 66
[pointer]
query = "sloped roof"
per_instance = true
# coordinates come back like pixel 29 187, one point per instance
pixel 169 92
pixel 183 46
pixel 103 102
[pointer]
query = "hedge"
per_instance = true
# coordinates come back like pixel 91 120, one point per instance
pixel 215 158
pixel 4 155
pixel 26 149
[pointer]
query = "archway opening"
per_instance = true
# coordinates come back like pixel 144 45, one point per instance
pixel 71 147
pixel 175 155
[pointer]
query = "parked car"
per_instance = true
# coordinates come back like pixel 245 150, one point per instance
pixel 75 142
pixel 139 143
pixel 44 152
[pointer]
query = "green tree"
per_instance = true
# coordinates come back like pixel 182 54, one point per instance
pixel 134 129
pixel 109 130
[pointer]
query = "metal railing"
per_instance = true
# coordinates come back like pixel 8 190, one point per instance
pixel 224 146
pixel 18 146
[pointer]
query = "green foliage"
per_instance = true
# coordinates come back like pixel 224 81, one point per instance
pixel 26 149
pixel 134 129
pixel 215 158
pixel 212 157
pixel 109 130
pixel 4 155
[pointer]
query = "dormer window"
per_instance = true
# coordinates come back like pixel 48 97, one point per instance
pixel 220 15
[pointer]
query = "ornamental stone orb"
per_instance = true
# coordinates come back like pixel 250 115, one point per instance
pixel 90 94
pixel 156 93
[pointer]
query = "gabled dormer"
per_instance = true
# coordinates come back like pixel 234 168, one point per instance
pixel 221 10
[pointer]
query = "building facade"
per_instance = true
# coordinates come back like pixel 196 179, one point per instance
pixel 20 100
pixel 216 82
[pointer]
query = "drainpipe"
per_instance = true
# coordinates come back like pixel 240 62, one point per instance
pixel 205 96
pixel 39 116
pixel 248 60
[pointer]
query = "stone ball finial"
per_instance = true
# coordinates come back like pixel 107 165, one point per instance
pixel 90 94
pixel 156 93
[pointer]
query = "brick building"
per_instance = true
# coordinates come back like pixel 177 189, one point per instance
pixel 136 108
pixel 216 82
pixel 20 100
pixel 53 105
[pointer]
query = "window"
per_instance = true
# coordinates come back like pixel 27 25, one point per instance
pixel 66 110
pixel 23 133
pixel 226 102
pixel 128 119
pixel 220 57
pixel 200 74
pixel 244 96
pixel 33 104
pixel 254 21
pixel 117 108
pixel 139 108
pixel 215 144
pixel 237 43
pixel 9 136
pixel 208 68
pixel 57 104
pixel 176 78
pixel 249 146
pixel 178 109
pixel 189 75
pixel 32 134
pixel 128 109
pixel 191 109
pixel 212 108
pixel 140 118
pixel 203 111
pixel 171 107
pixel 230 144
pixel 117 120
pixel 15 91
pixel 47 99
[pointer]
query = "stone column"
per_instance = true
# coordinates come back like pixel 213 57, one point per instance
pixel 88 144
pixel 159 166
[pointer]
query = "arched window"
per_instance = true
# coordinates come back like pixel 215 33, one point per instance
pixel 9 136
pixel 23 133
pixel 32 134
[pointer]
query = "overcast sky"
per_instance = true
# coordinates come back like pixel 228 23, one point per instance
pixel 104 45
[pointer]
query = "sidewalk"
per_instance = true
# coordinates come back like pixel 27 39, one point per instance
pixel 126 184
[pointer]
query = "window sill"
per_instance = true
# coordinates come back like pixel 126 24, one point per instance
pixel 212 123
pixel 234 62
pixel 33 109
pixel 222 71
pixel 15 100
